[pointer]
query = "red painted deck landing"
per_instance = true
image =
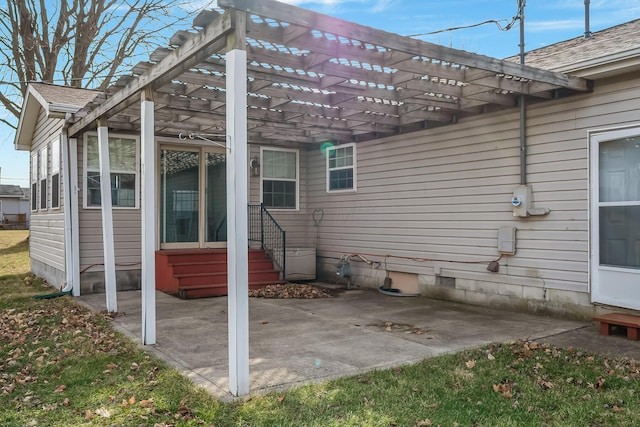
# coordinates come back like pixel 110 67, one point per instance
pixel 200 273
pixel 632 323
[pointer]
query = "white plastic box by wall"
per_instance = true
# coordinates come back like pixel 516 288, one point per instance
pixel 301 264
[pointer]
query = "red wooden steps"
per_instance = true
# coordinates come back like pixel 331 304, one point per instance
pixel 200 273
pixel 632 323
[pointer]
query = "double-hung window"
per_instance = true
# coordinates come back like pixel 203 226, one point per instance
pixel 43 178
pixel 279 178
pixel 123 162
pixel 55 174
pixel 341 168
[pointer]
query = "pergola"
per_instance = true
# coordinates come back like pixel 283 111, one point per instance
pixel 266 72
pixel 313 78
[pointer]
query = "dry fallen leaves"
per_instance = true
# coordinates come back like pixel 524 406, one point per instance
pixel 103 412
pixel 504 388
pixel 147 403
pixel 470 364
pixel 545 385
pixel 289 291
pixel 599 384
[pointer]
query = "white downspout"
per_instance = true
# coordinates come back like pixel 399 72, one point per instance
pixel 75 216
pixel 68 225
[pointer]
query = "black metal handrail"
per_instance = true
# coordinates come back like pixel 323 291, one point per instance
pixel 265 229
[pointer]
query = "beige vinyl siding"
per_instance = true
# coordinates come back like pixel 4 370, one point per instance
pixel 126 231
pixel 293 222
pixel 46 241
pixel 442 194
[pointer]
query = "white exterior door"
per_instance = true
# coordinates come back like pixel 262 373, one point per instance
pixel 615 218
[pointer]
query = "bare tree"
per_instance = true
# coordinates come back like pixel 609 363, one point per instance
pixel 81 43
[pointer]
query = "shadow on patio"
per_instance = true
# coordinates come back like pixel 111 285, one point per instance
pixel 294 340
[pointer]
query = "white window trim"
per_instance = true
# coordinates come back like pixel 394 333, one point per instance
pixel 52 172
pixel 354 166
pixel 297 180
pixel 33 198
pixel 85 193
pixel 43 174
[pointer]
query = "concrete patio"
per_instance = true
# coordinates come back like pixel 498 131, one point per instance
pixel 297 341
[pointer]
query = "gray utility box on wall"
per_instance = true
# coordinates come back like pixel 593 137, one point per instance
pixel 507 240
pixel 301 264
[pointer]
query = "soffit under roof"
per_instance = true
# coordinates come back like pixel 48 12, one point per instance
pixel 313 78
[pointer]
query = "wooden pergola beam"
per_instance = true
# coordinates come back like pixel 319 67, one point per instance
pixel 211 40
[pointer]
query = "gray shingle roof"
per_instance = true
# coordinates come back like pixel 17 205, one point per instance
pixel 54 94
pixel 602 43
pixel 11 191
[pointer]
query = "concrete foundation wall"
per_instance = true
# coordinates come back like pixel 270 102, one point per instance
pixel 494 294
pixel 52 275
pixel 92 282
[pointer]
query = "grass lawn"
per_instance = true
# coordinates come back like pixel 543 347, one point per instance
pixel 61 365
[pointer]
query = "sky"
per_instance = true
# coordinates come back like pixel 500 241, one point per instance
pixel 546 22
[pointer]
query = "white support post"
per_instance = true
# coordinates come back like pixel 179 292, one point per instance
pixel 75 219
pixel 237 225
pixel 107 220
pixel 68 228
pixel 148 212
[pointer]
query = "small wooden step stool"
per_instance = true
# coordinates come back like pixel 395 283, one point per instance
pixel 632 323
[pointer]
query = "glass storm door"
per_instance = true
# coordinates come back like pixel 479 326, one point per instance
pixel 615 218
pixel 193 201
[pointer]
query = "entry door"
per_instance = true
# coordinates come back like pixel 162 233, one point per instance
pixel 615 218
pixel 193 200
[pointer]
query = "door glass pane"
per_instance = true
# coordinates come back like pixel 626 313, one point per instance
pixel 179 196
pixel 620 170
pixel 620 236
pixel 216 197
pixel 619 226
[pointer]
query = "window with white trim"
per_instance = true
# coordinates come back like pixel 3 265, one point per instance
pixel 55 174
pixel 341 168
pixel 123 159
pixel 34 181
pixel 43 178
pixel 279 176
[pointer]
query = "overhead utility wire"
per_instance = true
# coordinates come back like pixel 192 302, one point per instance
pixel 491 21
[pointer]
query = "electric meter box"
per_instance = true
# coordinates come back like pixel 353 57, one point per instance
pixel 521 201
